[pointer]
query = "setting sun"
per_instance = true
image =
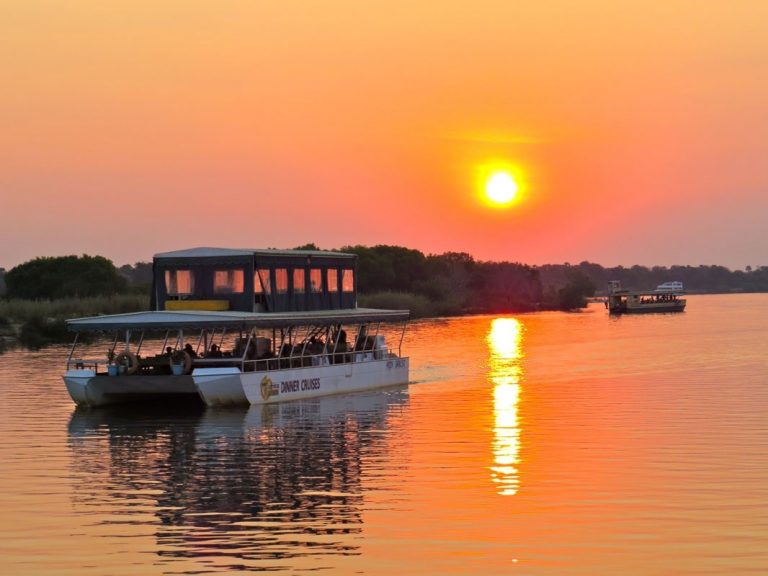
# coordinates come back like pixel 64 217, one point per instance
pixel 501 188
pixel 500 183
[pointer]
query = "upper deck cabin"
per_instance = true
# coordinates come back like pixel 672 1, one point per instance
pixel 254 280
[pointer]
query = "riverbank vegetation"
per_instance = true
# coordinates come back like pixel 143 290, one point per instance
pixel 453 283
pixel 42 293
pixel 695 279
pixel 37 323
pixel 64 277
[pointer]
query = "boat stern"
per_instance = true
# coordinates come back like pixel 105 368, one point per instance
pixel 77 383
pixel 220 386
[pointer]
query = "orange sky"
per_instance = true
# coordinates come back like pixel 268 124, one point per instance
pixel 129 128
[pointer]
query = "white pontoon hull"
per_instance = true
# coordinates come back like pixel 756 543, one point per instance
pixel 88 389
pixel 229 386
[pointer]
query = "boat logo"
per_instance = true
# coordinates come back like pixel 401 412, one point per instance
pixel 266 387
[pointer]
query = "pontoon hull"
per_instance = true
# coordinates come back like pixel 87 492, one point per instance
pixel 255 388
pixel 88 389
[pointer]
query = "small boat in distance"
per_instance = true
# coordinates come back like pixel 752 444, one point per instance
pixel 666 297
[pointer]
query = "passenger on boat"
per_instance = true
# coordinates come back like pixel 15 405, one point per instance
pixel 341 342
pixel 239 349
pixel 341 346
pixel 362 338
pixel 189 350
pixel 315 346
pixel 214 352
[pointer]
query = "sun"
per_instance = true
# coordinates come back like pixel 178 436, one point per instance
pixel 501 188
pixel 500 184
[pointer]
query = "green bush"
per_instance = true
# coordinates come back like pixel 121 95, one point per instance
pixel 575 293
pixel 43 321
pixel 419 305
pixel 64 276
pixel 38 332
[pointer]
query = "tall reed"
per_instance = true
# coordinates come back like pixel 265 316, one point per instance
pixel 22 311
pixel 38 323
pixel 419 305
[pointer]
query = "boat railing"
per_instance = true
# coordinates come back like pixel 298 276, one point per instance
pixel 305 360
pixel 264 364
pixel 86 363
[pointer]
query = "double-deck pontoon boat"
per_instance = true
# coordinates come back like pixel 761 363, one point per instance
pixel 666 299
pixel 242 327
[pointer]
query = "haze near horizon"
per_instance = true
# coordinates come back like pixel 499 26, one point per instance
pixel 624 136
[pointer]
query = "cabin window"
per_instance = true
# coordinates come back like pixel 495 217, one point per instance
pixel 179 282
pixel 332 275
pixel 347 280
pixel 316 280
pixel 298 280
pixel 261 283
pixel 228 281
pixel 281 280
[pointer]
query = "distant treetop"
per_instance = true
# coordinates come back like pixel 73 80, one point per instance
pixel 48 278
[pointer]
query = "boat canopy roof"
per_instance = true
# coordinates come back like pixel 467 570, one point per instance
pixel 163 320
pixel 652 292
pixel 208 252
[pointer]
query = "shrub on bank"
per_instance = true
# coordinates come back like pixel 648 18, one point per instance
pixel 64 277
pixel 419 305
pixel 42 322
pixel 38 332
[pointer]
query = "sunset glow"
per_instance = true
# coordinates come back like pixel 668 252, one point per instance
pixel 497 112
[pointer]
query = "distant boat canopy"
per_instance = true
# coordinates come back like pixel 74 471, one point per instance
pixel 670 286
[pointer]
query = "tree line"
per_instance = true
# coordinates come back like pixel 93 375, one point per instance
pixel 396 276
pixel 695 279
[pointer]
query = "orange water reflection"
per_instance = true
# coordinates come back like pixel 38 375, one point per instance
pixel 505 347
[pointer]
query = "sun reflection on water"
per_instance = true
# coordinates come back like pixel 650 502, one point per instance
pixel 504 342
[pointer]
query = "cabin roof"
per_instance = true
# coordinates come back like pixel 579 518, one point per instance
pixel 162 320
pixel 209 252
pixel 651 292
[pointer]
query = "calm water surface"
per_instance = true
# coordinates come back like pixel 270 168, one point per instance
pixel 534 444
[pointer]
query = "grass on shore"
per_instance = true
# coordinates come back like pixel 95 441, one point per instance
pixel 37 323
pixel 419 305
pixel 20 311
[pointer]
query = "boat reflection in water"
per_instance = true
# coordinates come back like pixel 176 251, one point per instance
pixel 504 343
pixel 235 489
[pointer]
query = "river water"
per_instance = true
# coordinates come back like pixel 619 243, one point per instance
pixel 544 443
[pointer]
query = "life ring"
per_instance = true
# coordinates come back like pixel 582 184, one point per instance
pixel 129 360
